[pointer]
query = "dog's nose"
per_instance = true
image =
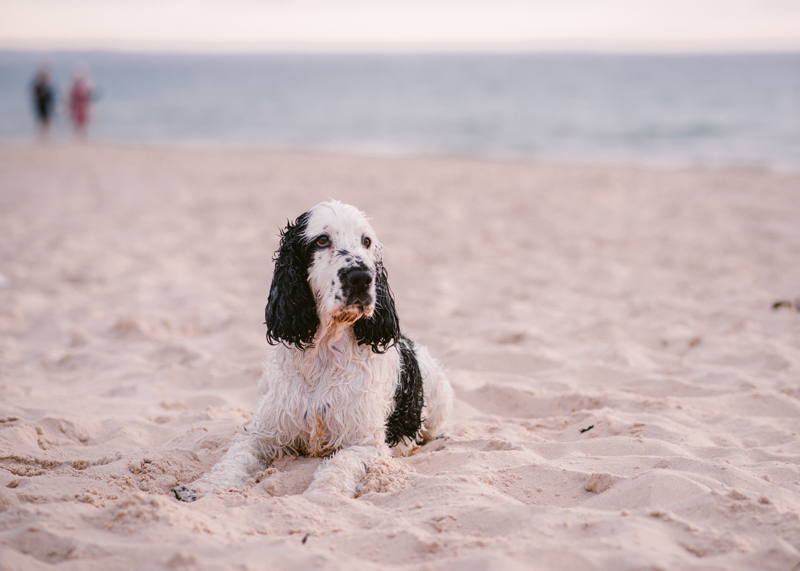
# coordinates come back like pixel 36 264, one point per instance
pixel 358 278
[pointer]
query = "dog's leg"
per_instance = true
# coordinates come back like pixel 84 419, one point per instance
pixel 264 439
pixel 232 471
pixel 344 472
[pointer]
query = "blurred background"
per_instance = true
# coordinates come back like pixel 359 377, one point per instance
pixel 653 83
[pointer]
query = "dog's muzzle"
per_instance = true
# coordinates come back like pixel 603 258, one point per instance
pixel 357 288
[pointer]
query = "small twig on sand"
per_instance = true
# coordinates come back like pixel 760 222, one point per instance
pixel 790 304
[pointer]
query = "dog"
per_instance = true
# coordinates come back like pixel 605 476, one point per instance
pixel 343 382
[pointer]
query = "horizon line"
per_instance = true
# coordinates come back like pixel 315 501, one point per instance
pixel 566 46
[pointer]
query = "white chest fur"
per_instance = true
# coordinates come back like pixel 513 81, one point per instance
pixel 332 395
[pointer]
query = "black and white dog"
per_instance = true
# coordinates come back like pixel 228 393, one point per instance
pixel 343 382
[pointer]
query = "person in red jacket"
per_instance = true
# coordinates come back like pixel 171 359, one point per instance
pixel 80 98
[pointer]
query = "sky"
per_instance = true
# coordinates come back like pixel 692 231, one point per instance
pixel 329 25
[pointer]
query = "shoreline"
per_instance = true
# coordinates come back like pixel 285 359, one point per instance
pixel 67 142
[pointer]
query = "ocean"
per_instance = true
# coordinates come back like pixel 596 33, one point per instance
pixel 737 110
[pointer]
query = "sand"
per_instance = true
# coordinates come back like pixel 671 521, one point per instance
pixel 635 304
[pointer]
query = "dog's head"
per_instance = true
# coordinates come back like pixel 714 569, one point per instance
pixel 328 270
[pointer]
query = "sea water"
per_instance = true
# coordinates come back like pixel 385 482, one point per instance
pixel 736 110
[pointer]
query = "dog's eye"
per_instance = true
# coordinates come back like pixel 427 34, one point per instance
pixel 323 241
pixel 366 242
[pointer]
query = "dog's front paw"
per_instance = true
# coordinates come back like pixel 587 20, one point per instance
pixel 184 493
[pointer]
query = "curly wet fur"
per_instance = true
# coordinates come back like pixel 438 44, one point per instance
pixel 405 421
pixel 342 382
pixel 291 315
pixel 382 330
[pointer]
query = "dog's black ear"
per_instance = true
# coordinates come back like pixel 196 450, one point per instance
pixel 291 313
pixel 382 330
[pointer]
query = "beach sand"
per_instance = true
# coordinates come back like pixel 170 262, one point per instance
pixel 635 303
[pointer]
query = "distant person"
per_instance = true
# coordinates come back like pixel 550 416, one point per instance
pixel 80 98
pixel 43 100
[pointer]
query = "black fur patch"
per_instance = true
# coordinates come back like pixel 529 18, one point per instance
pixel 406 419
pixel 291 312
pixel 382 330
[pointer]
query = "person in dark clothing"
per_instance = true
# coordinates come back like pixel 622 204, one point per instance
pixel 43 100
